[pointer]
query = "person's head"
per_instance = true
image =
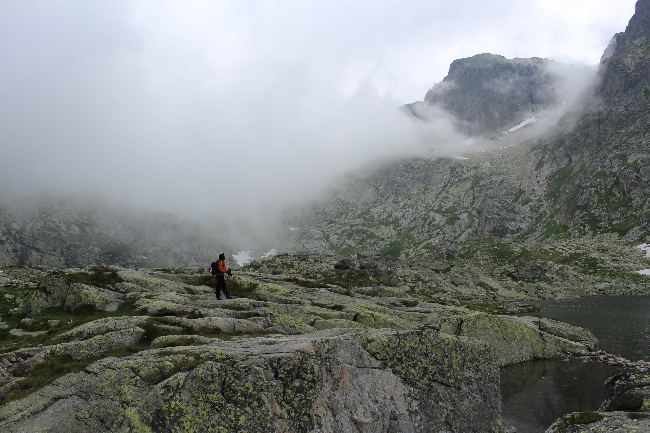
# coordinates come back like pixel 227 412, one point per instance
pixel 222 256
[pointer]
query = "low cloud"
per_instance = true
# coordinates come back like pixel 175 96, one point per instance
pixel 223 110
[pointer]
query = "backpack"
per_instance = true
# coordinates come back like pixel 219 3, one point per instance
pixel 213 268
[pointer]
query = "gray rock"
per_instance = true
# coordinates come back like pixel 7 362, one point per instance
pixel 26 321
pixel 628 392
pixel 365 383
pixel 570 332
pixel 17 332
pixel 103 326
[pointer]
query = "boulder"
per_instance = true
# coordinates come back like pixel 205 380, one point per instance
pixel 628 392
pixel 515 339
pixel 415 381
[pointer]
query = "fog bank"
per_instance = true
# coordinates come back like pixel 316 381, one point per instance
pixel 232 110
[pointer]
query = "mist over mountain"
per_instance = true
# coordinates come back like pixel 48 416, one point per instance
pixel 578 169
pixel 392 251
pixel 75 232
pixel 524 107
pixel 489 94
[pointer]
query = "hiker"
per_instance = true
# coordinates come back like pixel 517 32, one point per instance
pixel 219 270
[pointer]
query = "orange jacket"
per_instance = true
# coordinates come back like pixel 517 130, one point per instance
pixel 221 267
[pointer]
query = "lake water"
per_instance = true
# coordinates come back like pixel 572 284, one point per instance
pixel 535 394
pixel 621 323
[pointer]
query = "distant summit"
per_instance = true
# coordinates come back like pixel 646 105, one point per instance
pixel 625 67
pixel 639 25
pixel 488 92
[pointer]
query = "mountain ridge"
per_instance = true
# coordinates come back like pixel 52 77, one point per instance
pixel 586 175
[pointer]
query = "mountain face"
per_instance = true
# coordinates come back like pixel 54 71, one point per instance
pixel 488 92
pixel 626 65
pixel 589 176
pixel 65 233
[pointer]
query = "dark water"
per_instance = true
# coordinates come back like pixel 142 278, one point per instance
pixel 621 323
pixel 535 394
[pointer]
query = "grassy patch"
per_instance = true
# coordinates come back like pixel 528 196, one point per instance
pixel 405 240
pixel 48 371
pixel 100 276
pixel 43 374
pixel 557 180
pixel 621 228
pixel 173 271
pixel 350 278
pixel 242 290
pixel 491 249
pixel 518 196
pixel 117 249
pixel 553 229
pixel 347 251
pixel 68 319
pixel 203 280
pixel 304 283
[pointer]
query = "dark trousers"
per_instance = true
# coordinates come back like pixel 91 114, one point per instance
pixel 221 285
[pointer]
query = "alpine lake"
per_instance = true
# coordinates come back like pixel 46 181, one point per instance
pixel 535 394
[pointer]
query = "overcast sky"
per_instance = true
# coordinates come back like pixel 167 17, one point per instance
pixel 225 107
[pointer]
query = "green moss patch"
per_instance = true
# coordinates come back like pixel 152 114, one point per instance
pixel 586 417
pixel 67 320
pixel 204 280
pixel 43 374
pixel 100 276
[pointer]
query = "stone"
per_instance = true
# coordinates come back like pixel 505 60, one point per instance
pixel 26 321
pixel 17 332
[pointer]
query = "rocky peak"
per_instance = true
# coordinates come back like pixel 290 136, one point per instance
pixel 625 65
pixel 488 92
pixel 639 25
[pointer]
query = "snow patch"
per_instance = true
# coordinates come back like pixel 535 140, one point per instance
pixel 522 124
pixel 644 272
pixel 271 253
pixel 646 248
pixel 243 258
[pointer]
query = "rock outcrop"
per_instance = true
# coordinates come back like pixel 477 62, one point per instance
pixel 289 355
pixel 488 92
pixel 415 381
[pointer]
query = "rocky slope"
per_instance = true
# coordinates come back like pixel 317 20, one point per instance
pixel 66 233
pixel 155 351
pixel 574 184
